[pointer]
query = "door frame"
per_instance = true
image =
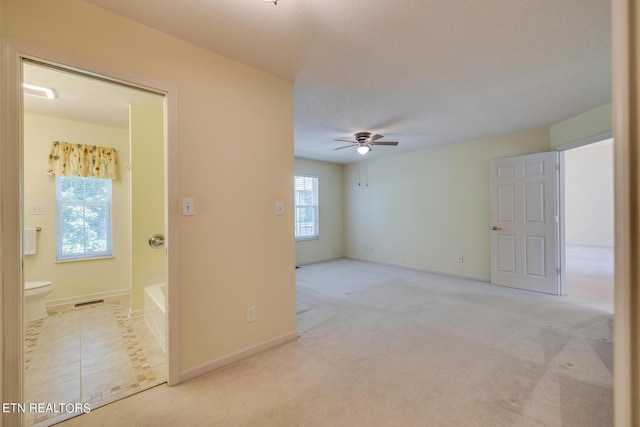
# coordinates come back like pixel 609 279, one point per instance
pixel 625 42
pixel 11 149
pixel 561 193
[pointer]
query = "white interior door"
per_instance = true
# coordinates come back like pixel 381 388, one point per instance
pixel 524 222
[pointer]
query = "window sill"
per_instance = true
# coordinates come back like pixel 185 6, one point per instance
pixel 304 239
pixel 64 261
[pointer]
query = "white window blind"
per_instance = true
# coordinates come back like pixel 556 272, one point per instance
pixel 306 207
pixel 83 216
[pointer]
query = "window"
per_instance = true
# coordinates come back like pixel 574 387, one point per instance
pixel 83 211
pixel 306 207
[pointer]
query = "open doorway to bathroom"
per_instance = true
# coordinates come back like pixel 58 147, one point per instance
pixel 589 223
pixel 104 334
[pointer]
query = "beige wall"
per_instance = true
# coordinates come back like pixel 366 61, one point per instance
pixel 73 279
pixel 148 265
pixel 589 195
pixel 596 122
pixel 424 208
pixel 235 252
pixel 330 244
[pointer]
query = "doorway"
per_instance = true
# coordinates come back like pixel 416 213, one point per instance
pixel 589 223
pixel 102 338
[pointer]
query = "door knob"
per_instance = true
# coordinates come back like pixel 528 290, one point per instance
pixel 156 241
pixel 494 228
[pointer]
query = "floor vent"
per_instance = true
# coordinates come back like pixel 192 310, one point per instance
pixel 96 301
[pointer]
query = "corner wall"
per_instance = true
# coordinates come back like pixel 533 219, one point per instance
pixel 424 208
pixel 330 244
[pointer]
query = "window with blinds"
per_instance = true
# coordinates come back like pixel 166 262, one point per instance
pixel 83 215
pixel 306 207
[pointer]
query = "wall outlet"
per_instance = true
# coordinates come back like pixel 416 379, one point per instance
pixel 460 258
pixel 251 313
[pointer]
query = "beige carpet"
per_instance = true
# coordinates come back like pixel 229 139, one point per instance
pixel 384 346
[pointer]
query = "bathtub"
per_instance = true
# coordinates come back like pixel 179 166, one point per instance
pixel 155 312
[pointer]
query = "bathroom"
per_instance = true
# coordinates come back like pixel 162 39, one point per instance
pixel 99 300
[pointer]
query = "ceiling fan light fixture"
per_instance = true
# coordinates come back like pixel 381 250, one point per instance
pixel 363 149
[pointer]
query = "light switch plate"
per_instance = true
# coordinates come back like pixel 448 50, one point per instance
pixel 36 210
pixel 279 207
pixel 187 206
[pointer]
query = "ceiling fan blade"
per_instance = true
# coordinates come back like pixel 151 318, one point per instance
pixel 345 140
pixel 376 137
pixel 346 146
pixel 385 143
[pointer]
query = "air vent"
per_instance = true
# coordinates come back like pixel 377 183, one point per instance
pixel 82 304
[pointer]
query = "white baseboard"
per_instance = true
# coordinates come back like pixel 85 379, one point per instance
pixel 136 313
pixel 318 261
pixel 426 270
pixel 84 298
pixel 192 373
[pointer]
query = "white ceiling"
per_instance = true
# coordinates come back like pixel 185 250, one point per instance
pixel 422 72
pixel 84 98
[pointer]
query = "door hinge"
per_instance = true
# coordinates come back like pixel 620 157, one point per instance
pixel 557 271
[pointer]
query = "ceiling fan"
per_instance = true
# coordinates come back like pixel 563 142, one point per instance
pixel 364 141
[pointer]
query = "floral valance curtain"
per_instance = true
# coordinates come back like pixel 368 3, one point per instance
pixel 68 159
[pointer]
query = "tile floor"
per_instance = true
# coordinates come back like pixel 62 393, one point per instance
pixel 90 354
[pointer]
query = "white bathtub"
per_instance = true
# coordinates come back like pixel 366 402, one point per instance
pixel 155 312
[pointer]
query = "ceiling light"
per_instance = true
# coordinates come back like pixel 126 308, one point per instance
pixel 39 91
pixel 275 2
pixel 363 149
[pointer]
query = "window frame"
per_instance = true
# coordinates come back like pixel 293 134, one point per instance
pixel 315 207
pixel 61 204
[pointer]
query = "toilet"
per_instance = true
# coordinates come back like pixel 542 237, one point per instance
pixel 34 293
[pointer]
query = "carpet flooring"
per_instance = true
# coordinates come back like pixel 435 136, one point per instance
pixel 387 346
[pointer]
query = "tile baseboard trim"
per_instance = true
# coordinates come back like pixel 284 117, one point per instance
pixel 205 368
pixel 84 298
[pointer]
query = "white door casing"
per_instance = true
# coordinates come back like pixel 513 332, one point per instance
pixel 13 52
pixel 525 222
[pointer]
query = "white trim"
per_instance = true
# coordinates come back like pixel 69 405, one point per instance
pixel 11 222
pixel 562 242
pixel 426 270
pixel 135 314
pixel 78 299
pixel 12 304
pixel 625 24
pixel 197 371
pixel 302 264
pixel 585 141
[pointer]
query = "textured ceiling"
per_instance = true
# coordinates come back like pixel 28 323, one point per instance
pixel 422 72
